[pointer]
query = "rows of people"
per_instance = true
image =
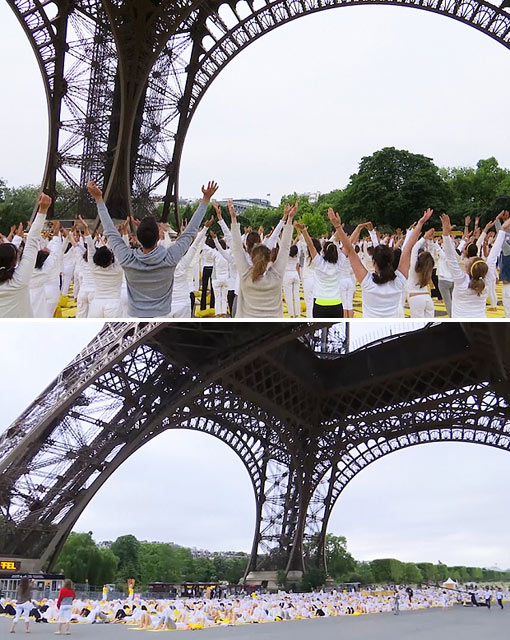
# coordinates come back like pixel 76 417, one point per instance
pixel 196 613
pixel 116 274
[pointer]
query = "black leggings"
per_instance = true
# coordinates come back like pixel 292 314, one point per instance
pixel 206 276
pixel 231 294
pixel 328 311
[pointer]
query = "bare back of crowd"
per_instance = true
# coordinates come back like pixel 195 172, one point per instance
pixel 220 610
pixel 148 274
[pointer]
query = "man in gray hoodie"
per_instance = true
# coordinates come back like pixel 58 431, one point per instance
pixel 150 270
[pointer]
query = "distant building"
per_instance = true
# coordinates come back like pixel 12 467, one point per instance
pixel 242 204
pixel 313 196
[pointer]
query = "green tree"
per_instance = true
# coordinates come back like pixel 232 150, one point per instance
pixel 316 224
pixel 127 550
pixel 80 558
pixel 387 570
pixel 412 574
pixel 428 571
pixel 339 561
pixel 312 579
pixel 392 189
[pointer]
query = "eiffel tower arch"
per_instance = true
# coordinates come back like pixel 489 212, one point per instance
pixel 124 79
pixel 303 413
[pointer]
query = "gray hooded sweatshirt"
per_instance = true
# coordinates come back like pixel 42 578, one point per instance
pixel 150 276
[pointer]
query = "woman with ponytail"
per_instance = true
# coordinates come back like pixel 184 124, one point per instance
pixel 381 291
pixel 260 291
pixel 421 304
pixel 471 287
pixel 14 280
pixel 329 276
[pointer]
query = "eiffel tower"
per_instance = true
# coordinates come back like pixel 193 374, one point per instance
pixel 123 79
pixel 303 412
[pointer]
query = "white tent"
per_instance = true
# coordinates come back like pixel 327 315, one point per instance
pixel 449 584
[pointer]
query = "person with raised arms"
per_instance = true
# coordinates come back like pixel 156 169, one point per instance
pixel 150 270
pixel 15 278
pixel 381 291
pixel 471 286
pixel 260 294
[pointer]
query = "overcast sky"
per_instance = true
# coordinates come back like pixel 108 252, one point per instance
pixel 298 108
pixel 436 502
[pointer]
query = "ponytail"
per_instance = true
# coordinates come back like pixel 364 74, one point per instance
pixel 478 271
pixel 260 256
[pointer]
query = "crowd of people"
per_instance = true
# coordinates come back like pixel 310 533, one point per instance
pixel 118 274
pixel 198 613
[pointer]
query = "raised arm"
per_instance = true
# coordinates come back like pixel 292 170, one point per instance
pixel 357 266
pixel 26 265
pixel 176 251
pixel 283 255
pixel 306 236
pixel 272 241
pixel 122 253
pixel 449 249
pixel 405 257
pixel 223 225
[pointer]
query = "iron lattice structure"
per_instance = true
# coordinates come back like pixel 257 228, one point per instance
pixel 123 79
pixel 304 420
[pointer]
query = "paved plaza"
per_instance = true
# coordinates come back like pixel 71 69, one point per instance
pixel 458 623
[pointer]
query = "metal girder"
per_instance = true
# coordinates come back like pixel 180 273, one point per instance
pixel 303 419
pixel 124 79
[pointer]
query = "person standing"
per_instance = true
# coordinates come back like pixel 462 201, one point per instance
pixel 499 597
pixel 396 604
pixel 23 604
pixel 65 606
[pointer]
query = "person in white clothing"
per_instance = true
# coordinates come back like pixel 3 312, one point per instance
pixel 15 278
pixel 381 292
pixel 107 276
pixel 181 301
pixel 260 294
pixel 472 285
pixel 291 283
pixel 421 304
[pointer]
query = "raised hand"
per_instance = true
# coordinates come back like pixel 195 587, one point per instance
pixel 293 211
pixel 300 227
pixel 447 226
pixel 209 191
pixel 55 226
pixel 95 191
pixel 429 234
pixel 467 221
pixel 84 225
pixel 426 215
pixel 334 218
pixel 44 203
pixel 208 223
pixel 212 234
pixel 217 208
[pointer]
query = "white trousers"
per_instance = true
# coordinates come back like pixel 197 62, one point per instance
pixel 83 302
pixel 291 293
pixel 421 306
pixel 220 296
pixel 506 299
pixel 347 290
pixel 24 610
pixel 308 293
pixel 104 308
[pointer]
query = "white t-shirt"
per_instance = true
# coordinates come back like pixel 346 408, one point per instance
pixel 327 277
pixel 382 300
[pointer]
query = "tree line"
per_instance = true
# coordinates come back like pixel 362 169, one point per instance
pixel 82 560
pixel 391 188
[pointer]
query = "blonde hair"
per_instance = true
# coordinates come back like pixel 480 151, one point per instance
pixel 260 256
pixel 478 271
